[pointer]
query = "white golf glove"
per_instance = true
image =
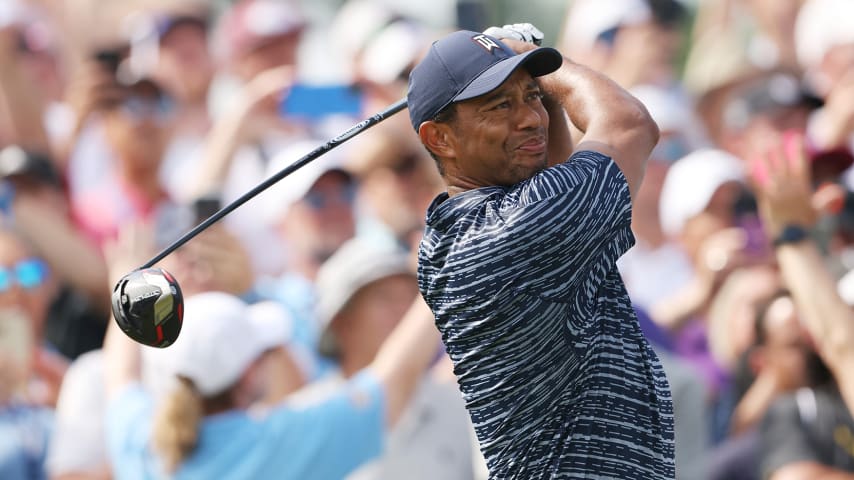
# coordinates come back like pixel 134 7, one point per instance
pixel 517 31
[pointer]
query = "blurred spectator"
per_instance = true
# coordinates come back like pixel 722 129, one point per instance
pixel 381 46
pixel 825 45
pixel 206 427
pixel 363 293
pixel 397 181
pixel 312 215
pixel 213 261
pixel 35 203
pixel 805 436
pixel 137 127
pixel 258 43
pixel 656 266
pixel 24 427
pixel 634 41
pixel 780 361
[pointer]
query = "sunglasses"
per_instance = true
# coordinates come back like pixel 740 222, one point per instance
pixel 320 200
pixel 156 108
pixel 28 274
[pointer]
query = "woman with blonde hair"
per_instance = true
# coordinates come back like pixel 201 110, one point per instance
pixel 213 424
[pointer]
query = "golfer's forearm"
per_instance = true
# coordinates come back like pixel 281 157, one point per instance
pixel 593 100
pixel 560 138
pixel 404 357
pixel 828 318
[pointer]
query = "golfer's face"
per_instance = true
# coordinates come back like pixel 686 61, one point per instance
pixel 501 138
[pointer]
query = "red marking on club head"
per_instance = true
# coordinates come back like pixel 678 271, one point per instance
pixel 180 311
pixel 168 276
pixel 159 331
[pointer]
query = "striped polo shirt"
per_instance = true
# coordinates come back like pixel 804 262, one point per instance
pixel 555 372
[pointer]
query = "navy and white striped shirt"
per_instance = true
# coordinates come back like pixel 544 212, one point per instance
pixel 555 372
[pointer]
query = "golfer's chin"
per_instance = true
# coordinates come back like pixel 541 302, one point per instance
pixel 527 165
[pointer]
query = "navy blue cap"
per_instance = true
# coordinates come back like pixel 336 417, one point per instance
pixel 465 65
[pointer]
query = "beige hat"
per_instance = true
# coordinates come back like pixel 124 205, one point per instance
pixel 354 265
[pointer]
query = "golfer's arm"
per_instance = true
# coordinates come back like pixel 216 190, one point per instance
pixel 560 136
pixel 405 356
pixel 828 318
pixel 612 121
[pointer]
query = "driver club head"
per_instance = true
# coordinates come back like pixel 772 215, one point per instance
pixel 149 307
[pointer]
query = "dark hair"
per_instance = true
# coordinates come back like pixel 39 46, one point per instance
pixel 668 13
pixel 448 114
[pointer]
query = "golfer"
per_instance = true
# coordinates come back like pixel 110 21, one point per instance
pixel 518 258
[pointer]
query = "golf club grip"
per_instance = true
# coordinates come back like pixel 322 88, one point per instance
pixel 317 152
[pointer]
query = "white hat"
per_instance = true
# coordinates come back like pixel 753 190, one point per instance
pixel 277 199
pixel 354 265
pixel 690 184
pixel 590 18
pixel 822 24
pixel 221 336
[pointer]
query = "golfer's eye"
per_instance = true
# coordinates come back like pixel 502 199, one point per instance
pixel 535 95
pixel 501 105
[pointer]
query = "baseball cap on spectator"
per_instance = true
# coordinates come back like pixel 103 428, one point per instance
pixel 690 184
pixel 251 24
pixel 821 25
pixel 465 65
pixel 765 95
pixel 355 265
pixel 220 337
pixel 278 198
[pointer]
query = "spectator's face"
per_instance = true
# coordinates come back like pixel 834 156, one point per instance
pixel 138 128
pixel 400 192
pixel 186 67
pixel 24 282
pixel 717 216
pixel 500 138
pixel 323 219
pixel 786 346
pixel 371 315
pixel 275 52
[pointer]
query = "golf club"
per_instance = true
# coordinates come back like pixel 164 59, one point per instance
pixel 147 303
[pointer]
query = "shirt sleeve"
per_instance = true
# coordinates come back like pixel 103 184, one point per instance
pixel 338 431
pixel 128 428
pixel 784 440
pixel 78 443
pixel 565 226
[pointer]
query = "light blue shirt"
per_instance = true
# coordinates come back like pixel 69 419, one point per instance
pixel 24 434
pixel 323 439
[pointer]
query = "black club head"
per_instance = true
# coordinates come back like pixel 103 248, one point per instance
pixel 149 307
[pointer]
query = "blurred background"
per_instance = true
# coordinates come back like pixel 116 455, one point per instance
pixel 123 124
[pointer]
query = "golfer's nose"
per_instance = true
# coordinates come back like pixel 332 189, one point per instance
pixel 529 116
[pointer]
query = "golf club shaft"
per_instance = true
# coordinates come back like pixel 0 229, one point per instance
pixel 317 152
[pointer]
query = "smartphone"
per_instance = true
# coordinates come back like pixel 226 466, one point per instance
pixel 204 207
pixel 314 102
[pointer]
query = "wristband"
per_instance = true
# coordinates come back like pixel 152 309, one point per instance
pixel 791 234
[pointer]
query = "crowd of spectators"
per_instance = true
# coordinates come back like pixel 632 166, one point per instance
pixel 307 351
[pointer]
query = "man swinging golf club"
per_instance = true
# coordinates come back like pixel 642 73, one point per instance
pixel 518 259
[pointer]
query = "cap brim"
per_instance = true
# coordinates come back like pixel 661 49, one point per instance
pixel 538 62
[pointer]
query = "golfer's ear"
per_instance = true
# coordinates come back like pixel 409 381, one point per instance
pixel 437 138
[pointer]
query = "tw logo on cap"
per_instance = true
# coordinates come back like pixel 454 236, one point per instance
pixel 487 43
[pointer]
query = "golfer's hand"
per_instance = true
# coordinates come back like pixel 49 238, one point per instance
pixel 523 32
